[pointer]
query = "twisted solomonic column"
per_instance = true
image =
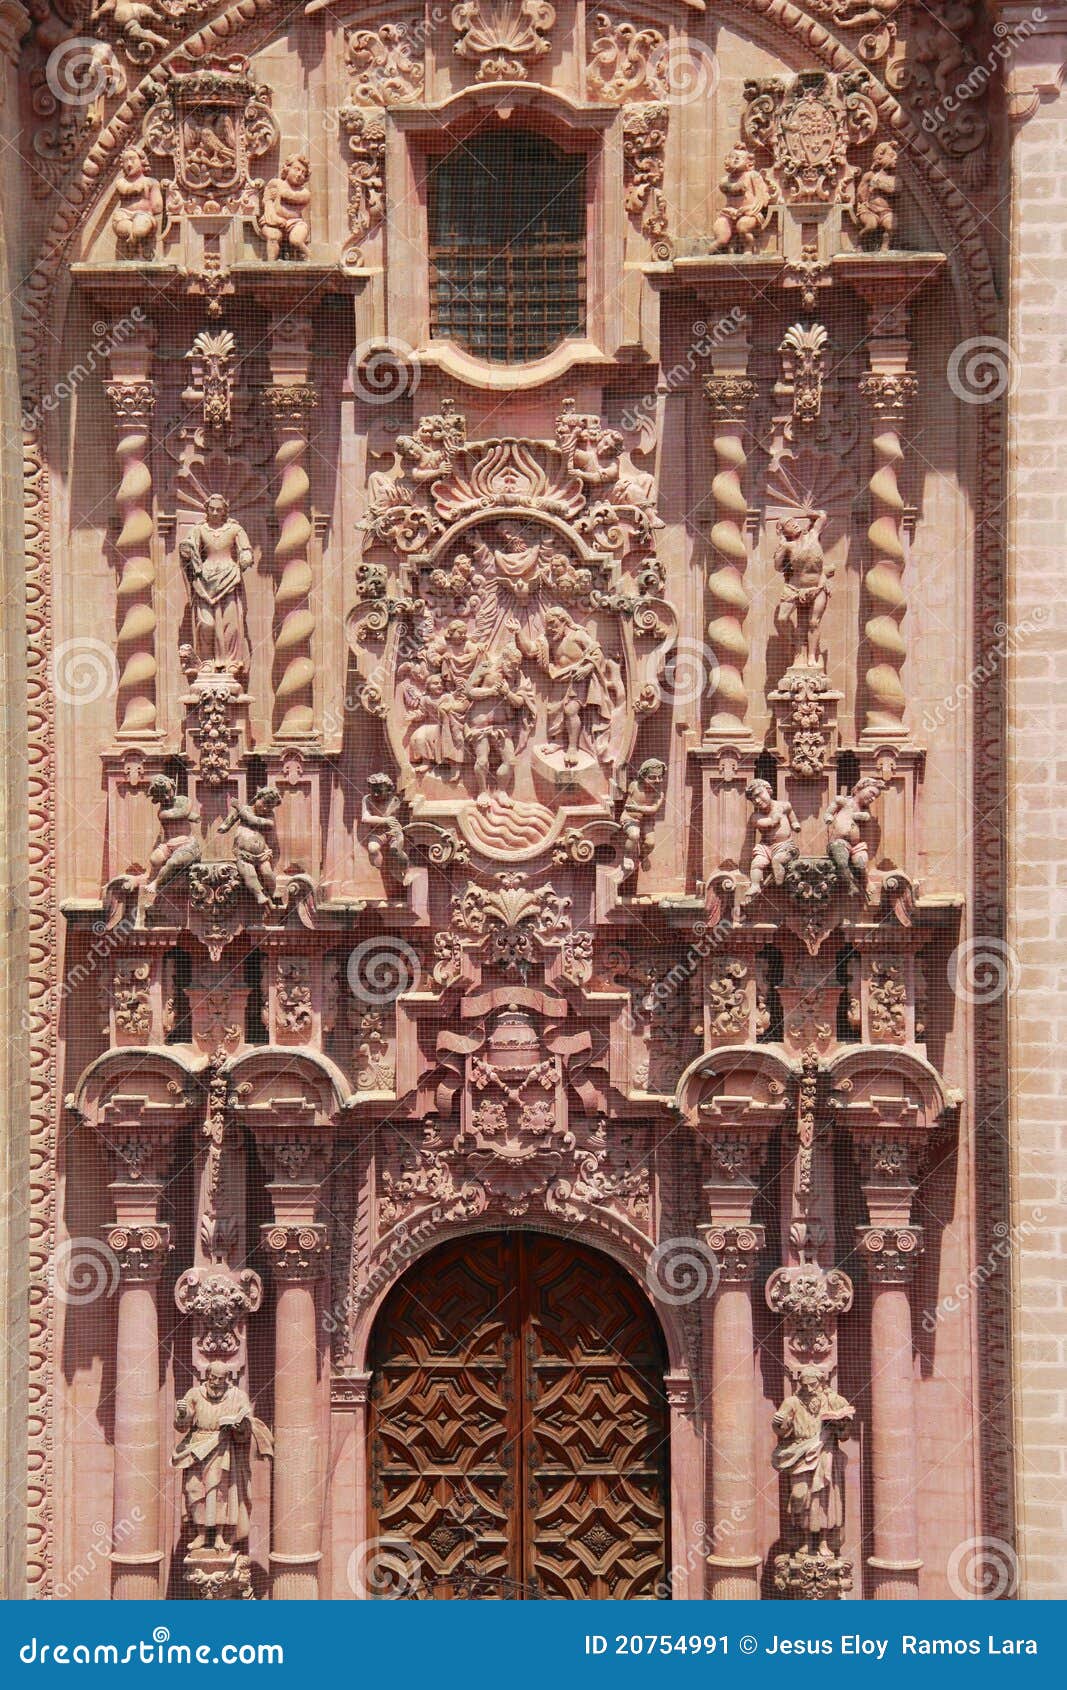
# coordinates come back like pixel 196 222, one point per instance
pixel 888 394
pixel 133 403
pixel 289 408
pixel 730 397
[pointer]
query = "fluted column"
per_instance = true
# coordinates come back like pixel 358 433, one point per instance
pixel 730 397
pixel 289 402
pixel 887 389
pixel 732 1491
pixel 890 1254
pixel 140 1252
pixel 298 1255
pixel 133 399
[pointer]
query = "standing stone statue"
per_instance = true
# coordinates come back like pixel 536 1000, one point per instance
pixel 215 557
pixel 214 1456
pixel 801 561
pixel 810 1427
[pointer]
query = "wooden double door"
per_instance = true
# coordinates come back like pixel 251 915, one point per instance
pixel 518 1438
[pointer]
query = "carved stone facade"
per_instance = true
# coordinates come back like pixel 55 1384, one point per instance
pixel 488 795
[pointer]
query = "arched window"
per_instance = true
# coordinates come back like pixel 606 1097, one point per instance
pixel 507 246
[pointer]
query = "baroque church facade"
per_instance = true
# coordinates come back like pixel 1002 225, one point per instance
pixel 524 588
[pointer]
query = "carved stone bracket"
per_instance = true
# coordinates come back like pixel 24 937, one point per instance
pixel 809 1299
pixel 221 1301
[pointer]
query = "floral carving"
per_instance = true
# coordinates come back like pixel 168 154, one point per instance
pixel 294 997
pixel 386 64
pixel 809 1298
pixel 644 139
pixel 221 1301
pixel 626 61
pixel 130 995
pixel 727 1001
pixel 366 177
pixel 499 35
pixel 887 998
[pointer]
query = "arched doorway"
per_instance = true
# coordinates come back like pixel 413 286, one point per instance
pixel 518 1435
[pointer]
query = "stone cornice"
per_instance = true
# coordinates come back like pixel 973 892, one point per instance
pixel 1032 45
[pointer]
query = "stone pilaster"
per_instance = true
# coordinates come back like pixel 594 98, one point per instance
pixel 298 1257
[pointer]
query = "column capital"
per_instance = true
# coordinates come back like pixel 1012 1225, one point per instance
pixel 890 1252
pixel 289 405
pixel 888 393
pixel 296 1254
pixel 730 396
pixel 736 1250
pixel 131 401
pixel 139 1251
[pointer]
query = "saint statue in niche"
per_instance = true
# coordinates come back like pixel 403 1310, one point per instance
pixel 810 1427
pixel 801 561
pixel 214 1457
pixel 592 687
pixel 215 556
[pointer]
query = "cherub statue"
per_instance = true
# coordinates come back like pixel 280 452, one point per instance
pixel 215 556
pixel 644 800
pixel 284 219
pixel 138 218
pixel 873 206
pixel 801 561
pixel 131 18
pixel 214 1457
pixel 380 814
pixel 252 851
pixel 776 824
pixel 748 199
pixel 811 1426
pixel 845 820
pixel 177 847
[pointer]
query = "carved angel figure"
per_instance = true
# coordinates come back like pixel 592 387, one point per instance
pixel 748 199
pixel 810 1427
pixel 214 1456
pixel 593 454
pixel 131 19
pixel 875 191
pixel 138 217
pixel 284 220
pixel 801 561
pixel 644 800
pixel 252 851
pixel 215 557
pixel 845 820
pixel 380 815
pixel 776 824
pixel 177 847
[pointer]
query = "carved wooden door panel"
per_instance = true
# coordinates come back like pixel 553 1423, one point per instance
pixel 518 1434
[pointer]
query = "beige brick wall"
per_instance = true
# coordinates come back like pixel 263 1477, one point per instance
pixel 1037 928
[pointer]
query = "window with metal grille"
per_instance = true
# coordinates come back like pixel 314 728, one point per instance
pixel 507 246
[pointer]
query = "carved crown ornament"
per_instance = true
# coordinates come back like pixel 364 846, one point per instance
pixel 213 122
pixel 524 638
